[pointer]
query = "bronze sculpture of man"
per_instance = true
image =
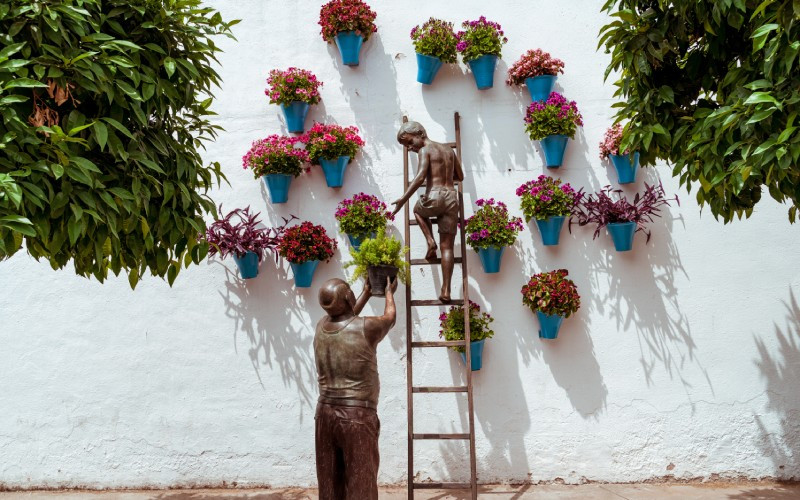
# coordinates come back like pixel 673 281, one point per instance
pixel 347 424
pixel 438 168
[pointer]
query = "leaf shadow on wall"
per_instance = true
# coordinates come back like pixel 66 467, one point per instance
pixel 781 372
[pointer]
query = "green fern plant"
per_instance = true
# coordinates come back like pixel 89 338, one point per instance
pixel 380 251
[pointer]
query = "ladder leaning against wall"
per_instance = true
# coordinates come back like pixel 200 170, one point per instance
pixel 411 344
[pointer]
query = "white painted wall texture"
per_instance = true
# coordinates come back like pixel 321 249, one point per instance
pixel 683 361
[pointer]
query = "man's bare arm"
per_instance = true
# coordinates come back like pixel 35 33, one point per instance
pixel 422 174
pixel 378 326
pixel 366 293
pixel 458 173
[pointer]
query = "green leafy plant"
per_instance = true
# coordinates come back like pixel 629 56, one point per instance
pixel 452 324
pixel 547 197
pixel 380 251
pixel 713 88
pixel 105 107
pixel 362 215
pixel 492 226
pixel 480 38
pixel 435 38
pixel 555 116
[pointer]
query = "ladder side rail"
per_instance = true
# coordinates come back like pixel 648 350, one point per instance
pixel 409 349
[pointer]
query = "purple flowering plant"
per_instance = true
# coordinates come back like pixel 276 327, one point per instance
pixel 555 116
pixel 609 206
pixel 238 232
pixel 547 197
pixel 435 38
pixel 362 215
pixel 276 154
pixel 452 324
pixel 492 226
pixel 480 38
pixel 292 85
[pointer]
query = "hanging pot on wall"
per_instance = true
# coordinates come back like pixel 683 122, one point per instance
pixel 549 325
pixel 247 264
pixel 295 114
pixel 491 258
pixel 626 167
pixel 554 147
pixel 334 170
pixel 622 235
pixel 356 240
pixel 278 186
pixel 349 44
pixel 427 67
pixel 550 229
pixel 378 277
pixel 483 70
pixel 540 86
pixel 476 354
pixel 304 273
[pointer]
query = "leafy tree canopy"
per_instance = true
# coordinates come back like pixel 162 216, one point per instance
pixel 105 106
pixel 712 87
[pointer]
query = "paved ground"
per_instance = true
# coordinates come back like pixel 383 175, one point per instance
pixel 712 491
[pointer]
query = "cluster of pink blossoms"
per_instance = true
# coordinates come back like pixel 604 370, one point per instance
pixel 546 197
pixel 491 225
pixel 480 37
pixel 565 110
pixel 294 84
pixel 275 154
pixel 331 141
pixel 533 63
pixel 611 142
pixel 306 242
pixel 346 15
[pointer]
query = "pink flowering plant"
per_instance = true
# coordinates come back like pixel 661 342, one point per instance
pixel 555 116
pixel 331 141
pixel 346 15
pixel 435 38
pixel 238 232
pixel 292 85
pixel 533 63
pixel 547 197
pixel 362 215
pixel 452 324
pixel 552 293
pixel 611 142
pixel 492 226
pixel 306 242
pixel 480 38
pixel 275 154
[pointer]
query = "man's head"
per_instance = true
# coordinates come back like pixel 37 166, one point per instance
pixel 336 297
pixel 412 135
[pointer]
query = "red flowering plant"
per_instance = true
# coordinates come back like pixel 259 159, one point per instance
pixel 306 242
pixel 492 226
pixel 435 38
pixel 452 324
pixel 609 206
pixel 294 84
pixel 552 293
pixel 238 232
pixel 555 116
pixel 480 38
pixel 362 215
pixel 547 197
pixel 346 15
pixel 611 142
pixel 531 64
pixel 331 141
pixel 275 154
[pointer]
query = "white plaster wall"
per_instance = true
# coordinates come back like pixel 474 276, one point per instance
pixel 684 359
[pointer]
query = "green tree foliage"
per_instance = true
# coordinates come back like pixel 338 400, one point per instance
pixel 105 106
pixel 713 87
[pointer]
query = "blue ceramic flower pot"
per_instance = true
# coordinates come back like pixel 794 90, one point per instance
pixel 295 114
pixel 349 47
pixel 355 241
pixel 490 258
pixel 248 265
pixel 278 186
pixel 622 235
pixel 476 354
pixel 554 147
pixel 483 71
pixel 550 229
pixel 626 169
pixel 550 324
pixel 540 86
pixel 427 67
pixel 304 273
pixel 334 170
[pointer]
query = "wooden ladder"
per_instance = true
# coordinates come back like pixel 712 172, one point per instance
pixel 411 345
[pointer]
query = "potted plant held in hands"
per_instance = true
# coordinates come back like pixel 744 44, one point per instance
pixel 538 71
pixel 294 90
pixel 277 161
pixel 304 246
pixel 622 218
pixel 349 23
pixel 548 202
pixel 490 230
pixel 481 44
pixel 435 44
pixel 452 328
pixel 379 259
pixel 553 297
pixel 626 164
pixel 333 148
pixel 362 216
pixel 237 234
pixel 552 122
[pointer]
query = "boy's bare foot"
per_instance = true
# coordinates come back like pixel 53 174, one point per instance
pixel 431 255
pixel 444 297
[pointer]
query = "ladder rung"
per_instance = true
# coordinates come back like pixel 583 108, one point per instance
pixel 440 389
pixel 437 302
pixel 423 262
pixel 439 343
pixel 440 486
pixel 441 436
